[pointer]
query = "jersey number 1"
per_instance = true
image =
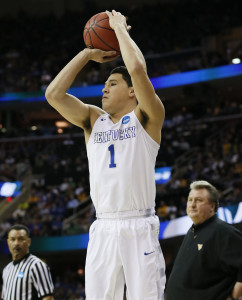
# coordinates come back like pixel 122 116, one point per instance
pixel 111 149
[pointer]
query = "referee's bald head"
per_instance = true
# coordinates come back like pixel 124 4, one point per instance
pixel 19 227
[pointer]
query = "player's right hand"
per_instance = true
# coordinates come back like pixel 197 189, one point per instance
pixel 117 19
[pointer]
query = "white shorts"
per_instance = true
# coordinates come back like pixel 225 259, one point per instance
pixel 125 251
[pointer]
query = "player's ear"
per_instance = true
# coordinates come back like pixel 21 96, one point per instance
pixel 131 92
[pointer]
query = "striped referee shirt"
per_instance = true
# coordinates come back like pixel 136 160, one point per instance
pixel 27 279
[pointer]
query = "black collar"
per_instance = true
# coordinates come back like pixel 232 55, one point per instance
pixel 205 223
pixel 15 262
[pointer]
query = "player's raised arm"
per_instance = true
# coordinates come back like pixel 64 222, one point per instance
pixel 149 102
pixel 71 108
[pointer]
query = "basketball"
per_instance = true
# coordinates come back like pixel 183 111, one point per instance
pixel 98 33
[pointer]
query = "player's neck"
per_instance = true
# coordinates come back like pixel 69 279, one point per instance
pixel 117 117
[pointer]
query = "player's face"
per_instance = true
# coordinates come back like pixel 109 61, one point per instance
pixel 115 94
pixel 199 209
pixel 18 243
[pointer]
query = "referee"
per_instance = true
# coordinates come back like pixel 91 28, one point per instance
pixel 26 277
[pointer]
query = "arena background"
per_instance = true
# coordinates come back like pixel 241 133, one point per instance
pixel 193 51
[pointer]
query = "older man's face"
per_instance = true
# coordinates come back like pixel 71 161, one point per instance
pixel 18 243
pixel 199 209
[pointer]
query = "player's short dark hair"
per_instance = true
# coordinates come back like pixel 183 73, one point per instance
pixel 19 227
pixel 125 74
pixel 212 191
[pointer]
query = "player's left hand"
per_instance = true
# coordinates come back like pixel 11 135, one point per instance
pixel 101 56
pixel 117 19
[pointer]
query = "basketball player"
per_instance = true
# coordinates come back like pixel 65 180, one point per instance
pixel 122 142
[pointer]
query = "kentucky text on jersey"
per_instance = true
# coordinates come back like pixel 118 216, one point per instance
pixel 113 135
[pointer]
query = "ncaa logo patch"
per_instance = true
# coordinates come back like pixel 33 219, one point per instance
pixel 20 274
pixel 126 120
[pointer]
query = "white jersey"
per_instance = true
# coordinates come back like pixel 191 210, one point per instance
pixel 121 159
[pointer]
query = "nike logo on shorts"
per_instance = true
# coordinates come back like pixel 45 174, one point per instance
pixel 147 253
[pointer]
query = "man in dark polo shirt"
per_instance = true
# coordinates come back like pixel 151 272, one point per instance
pixel 208 265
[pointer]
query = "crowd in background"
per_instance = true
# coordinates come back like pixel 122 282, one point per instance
pixel 59 170
pixel 28 64
pixel 60 179
pixel 70 285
